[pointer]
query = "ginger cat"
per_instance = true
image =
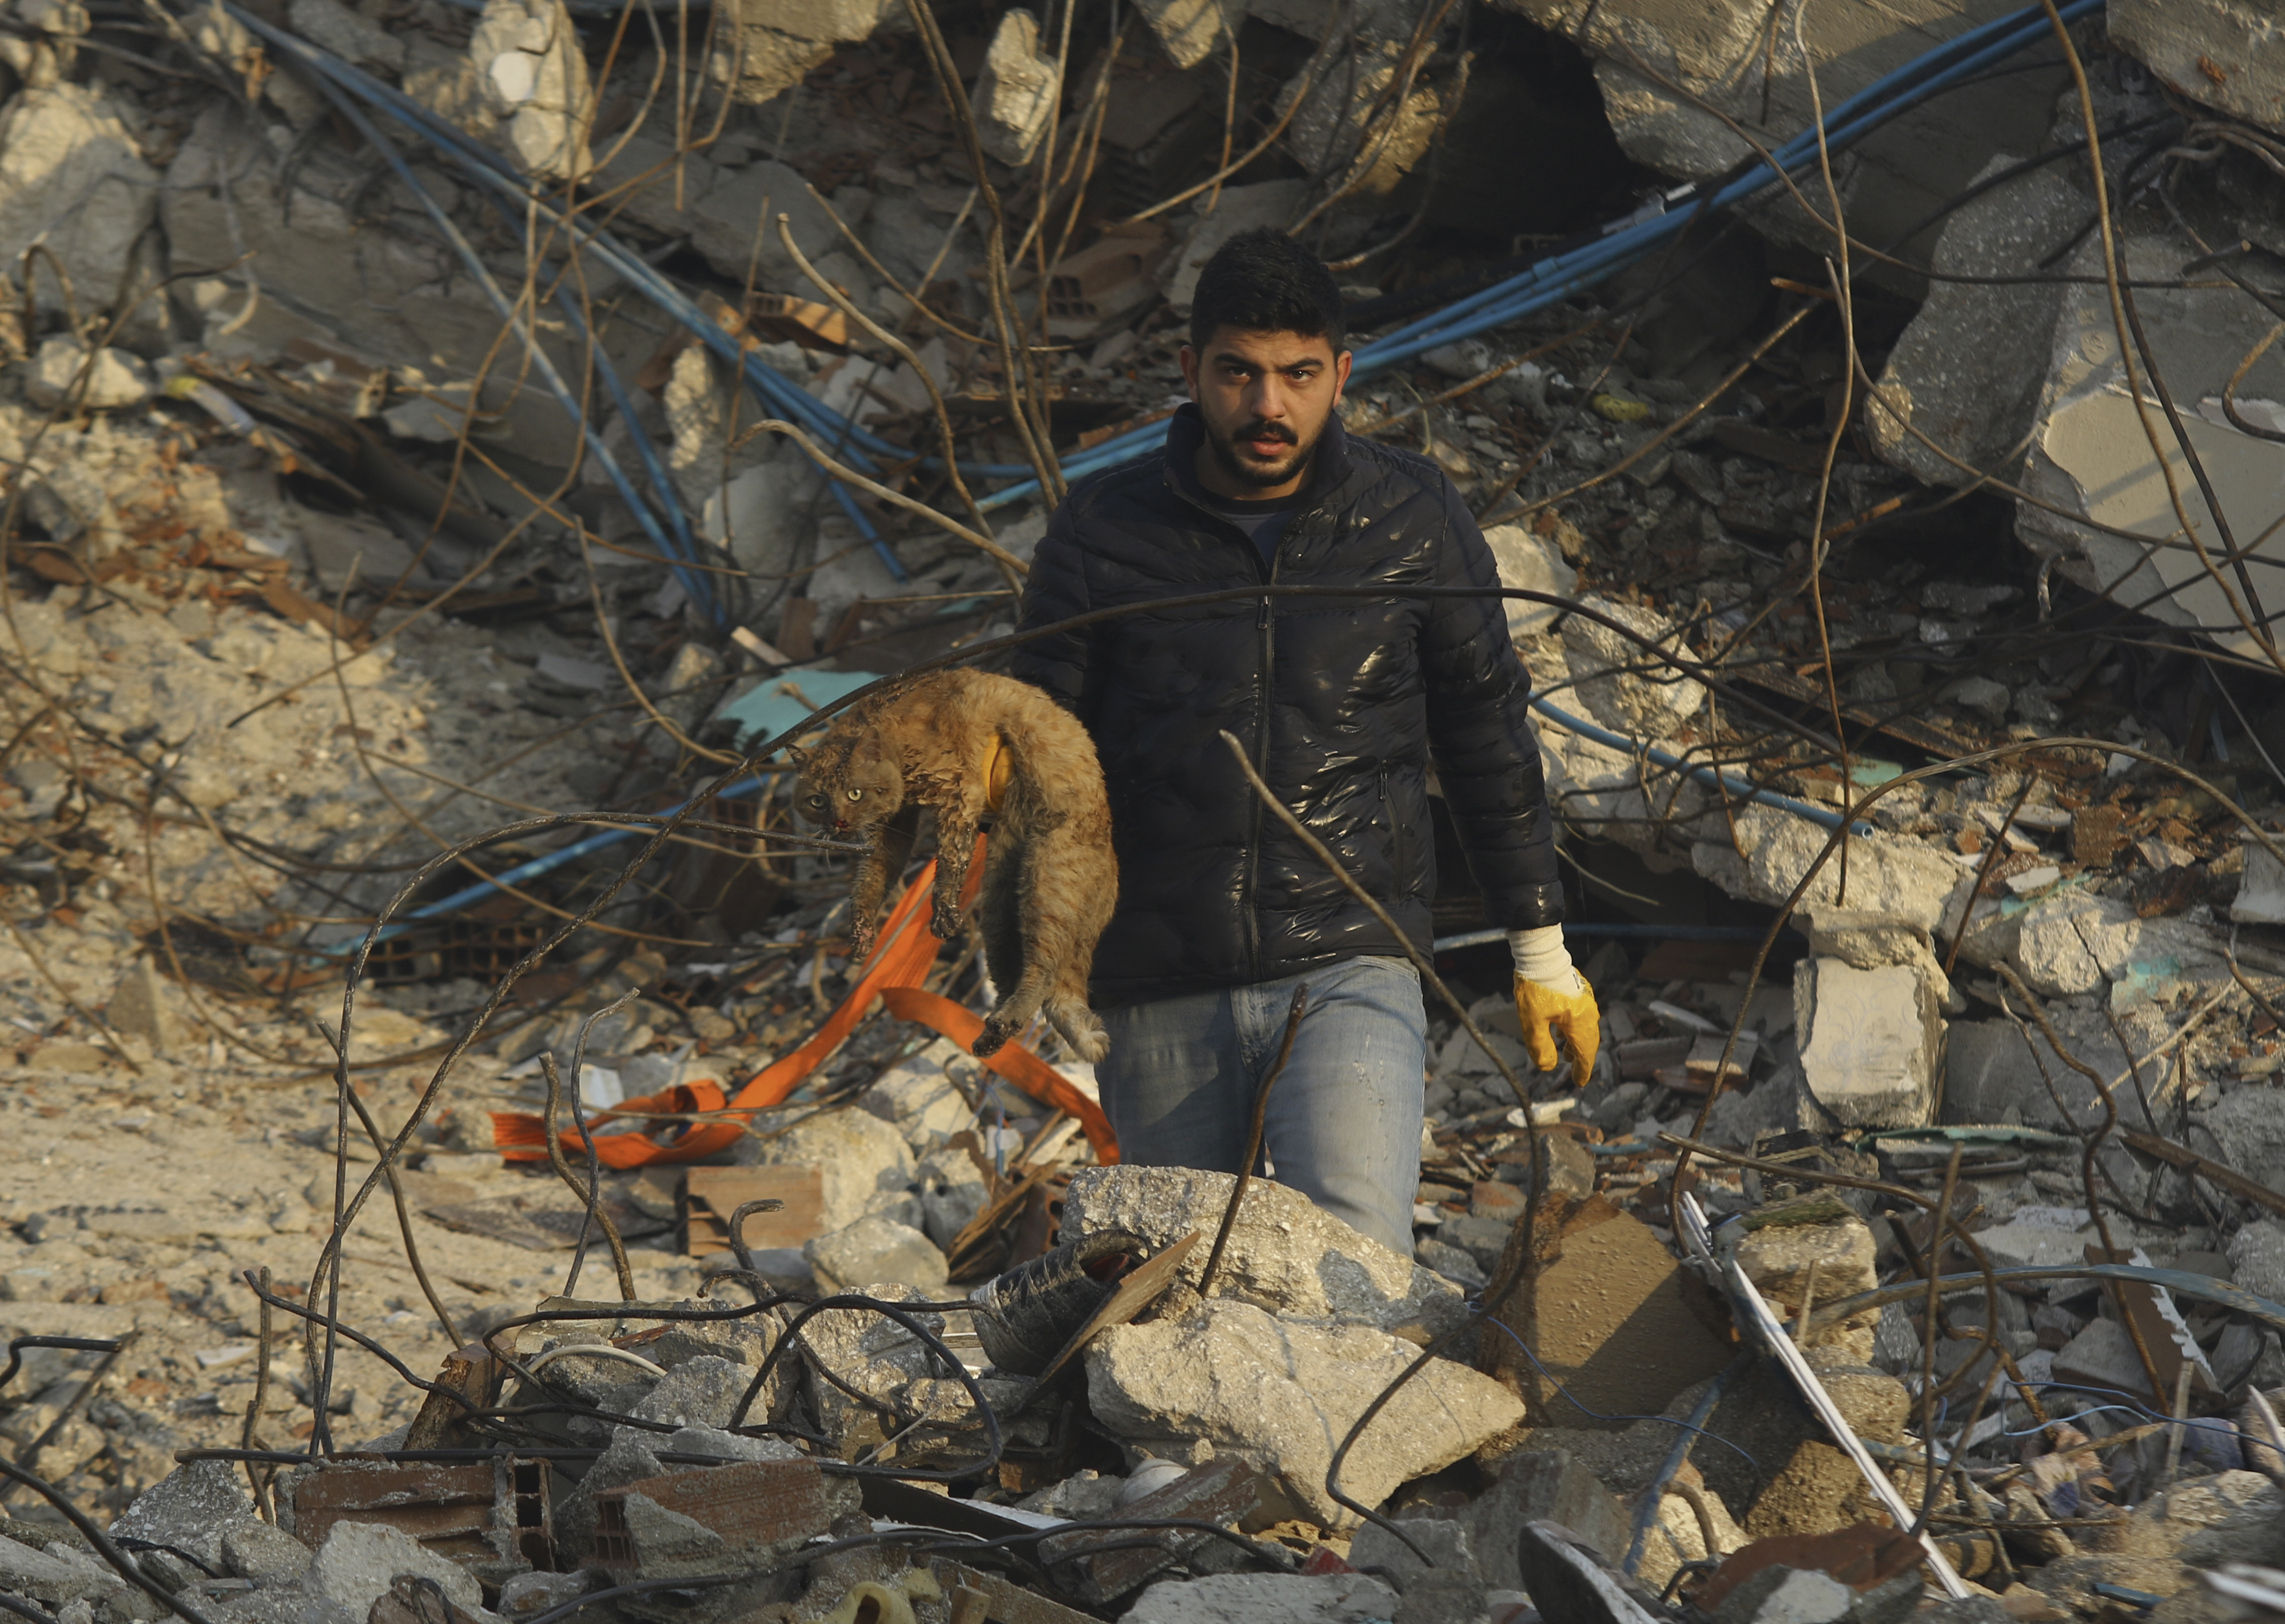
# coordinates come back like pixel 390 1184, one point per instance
pixel 941 740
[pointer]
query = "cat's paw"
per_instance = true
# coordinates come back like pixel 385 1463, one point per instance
pixel 990 1041
pixel 946 922
pixel 861 941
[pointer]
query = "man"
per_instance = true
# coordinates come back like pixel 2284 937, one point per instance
pixel 1341 702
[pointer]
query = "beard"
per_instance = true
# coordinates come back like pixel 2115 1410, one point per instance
pixel 1226 446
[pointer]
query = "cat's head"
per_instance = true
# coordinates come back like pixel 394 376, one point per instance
pixel 848 782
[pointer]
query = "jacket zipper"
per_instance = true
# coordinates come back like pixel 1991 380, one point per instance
pixel 1266 647
pixel 1399 853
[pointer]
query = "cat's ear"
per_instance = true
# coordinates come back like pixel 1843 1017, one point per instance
pixel 797 756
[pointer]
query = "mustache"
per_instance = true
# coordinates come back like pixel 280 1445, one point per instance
pixel 1261 430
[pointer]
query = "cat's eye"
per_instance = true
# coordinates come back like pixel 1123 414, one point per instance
pixel 856 794
pixel 818 801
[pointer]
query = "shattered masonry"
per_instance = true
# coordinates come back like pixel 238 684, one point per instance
pixel 392 534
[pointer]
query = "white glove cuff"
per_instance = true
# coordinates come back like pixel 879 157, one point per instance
pixel 1541 956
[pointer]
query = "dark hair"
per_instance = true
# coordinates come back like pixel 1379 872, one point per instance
pixel 1263 281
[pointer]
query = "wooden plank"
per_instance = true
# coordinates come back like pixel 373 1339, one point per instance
pixel 712 1194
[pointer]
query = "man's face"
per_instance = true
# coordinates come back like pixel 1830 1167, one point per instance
pixel 1265 398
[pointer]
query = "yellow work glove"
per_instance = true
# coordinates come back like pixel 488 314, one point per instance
pixel 1550 992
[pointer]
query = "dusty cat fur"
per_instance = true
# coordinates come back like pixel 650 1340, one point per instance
pixel 1050 877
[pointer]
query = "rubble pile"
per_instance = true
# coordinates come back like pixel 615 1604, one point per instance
pixel 458 1166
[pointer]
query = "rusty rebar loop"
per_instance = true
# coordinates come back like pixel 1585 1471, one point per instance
pixel 1255 1132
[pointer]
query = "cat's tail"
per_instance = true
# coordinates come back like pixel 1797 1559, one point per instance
pixel 1080 1026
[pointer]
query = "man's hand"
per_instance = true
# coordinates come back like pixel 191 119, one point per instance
pixel 1572 1013
pixel 1549 992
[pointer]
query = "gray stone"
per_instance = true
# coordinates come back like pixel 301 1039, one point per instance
pixel 357 1560
pixel 190 1508
pixel 72 179
pixel 333 26
pixel 1541 1485
pixel 864 1162
pixel 1015 94
pixel 1533 563
pixel 873 1250
pixel 1265 1598
pixel 2103 1355
pixel 524 1595
pixel 535 89
pixel 1285 1252
pixel 1265 203
pixel 258 1552
pixel 1968 370
pixel 727 1445
pixel 1380 1553
pixel 58 1575
pixel 1780 1595
pixel 2246 1129
pixel 703 1391
pixel 919 1100
pixel 952 1193
pixel 1869 1041
pixel 1890 877
pixel 61 370
pixel 1567 1580
pixel 1281 1394
pixel 1085 1495
pixel 627 1458
pixel 2257 1258
pixel 1619 683
pixel 1444 1595
pixel 1785 1262
pixel 2222 52
pixel 1453 1263
pixel 875 1355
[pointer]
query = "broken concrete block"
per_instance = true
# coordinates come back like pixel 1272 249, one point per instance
pixel 263 1553
pixel 1540 1486
pixel 1241 209
pixel 190 1508
pixel 718 1518
pixel 627 1458
pixel 952 1193
pixel 1015 94
pixel 874 1250
pixel 1889 876
pixel 357 1560
pixel 62 369
pixel 1533 563
pixel 1377 1552
pixel 333 26
pixel 74 181
pixel 2222 52
pixel 866 1165
pixel 536 86
pixel 1801 1483
pixel 138 1008
pixel 702 1391
pixel 59 1574
pixel 1617 1323
pixel 1190 31
pixel 917 1098
pixel 1281 1394
pixel 773 43
pixel 1781 1595
pixel 1285 1252
pixel 2260 898
pixel 1651 702
pixel 1968 370
pixel 1871 1042
pixel 1266 1598
pixel 2257 1258
pixel 2102 1355
pixel 1736 76
pixel 1832 1259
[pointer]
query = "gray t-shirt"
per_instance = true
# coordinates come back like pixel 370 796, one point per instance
pixel 1263 523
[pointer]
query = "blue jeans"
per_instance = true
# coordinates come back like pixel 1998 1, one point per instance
pixel 1344 1122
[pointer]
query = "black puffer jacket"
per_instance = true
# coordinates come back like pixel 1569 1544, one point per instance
pixel 1340 701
